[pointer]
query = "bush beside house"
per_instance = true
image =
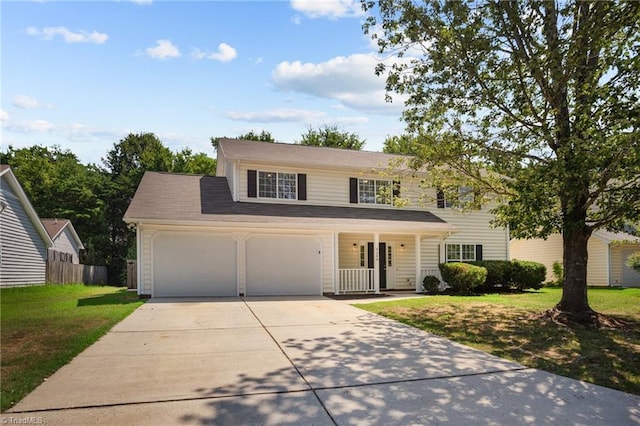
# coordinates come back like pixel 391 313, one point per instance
pixel 463 278
pixel 498 275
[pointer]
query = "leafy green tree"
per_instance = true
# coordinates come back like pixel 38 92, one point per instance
pixel 399 145
pixel 124 166
pixel 59 186
pixel 252 135
pixel 546 93
pixel 186 161
pixel 331 136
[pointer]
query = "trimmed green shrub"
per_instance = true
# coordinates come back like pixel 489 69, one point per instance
pixel 528 274
pixel 463 278
pixel 431 284
pixel 499 273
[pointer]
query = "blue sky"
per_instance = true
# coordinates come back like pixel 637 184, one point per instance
pixel 82 75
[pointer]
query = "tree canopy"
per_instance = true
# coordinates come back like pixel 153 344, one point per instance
pixel 251 135
pixel 543 95
pixel 95 198
pixel 331 136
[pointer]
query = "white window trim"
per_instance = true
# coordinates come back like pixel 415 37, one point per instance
pixel 277 173
pixel 388 183
pixel 446 252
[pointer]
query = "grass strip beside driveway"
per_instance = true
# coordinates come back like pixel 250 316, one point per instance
pixel 43 327
pixel 506 325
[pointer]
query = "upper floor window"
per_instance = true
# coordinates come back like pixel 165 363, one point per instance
pixel 277 185
pixel 465 195
pixel 373 191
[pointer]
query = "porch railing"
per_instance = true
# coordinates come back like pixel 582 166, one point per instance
pixel 359 279
pixel 432 271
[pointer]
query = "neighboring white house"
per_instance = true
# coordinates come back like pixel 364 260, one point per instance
pixel 65 239
pixel 606 266
pixel 283 219
pixel 23 239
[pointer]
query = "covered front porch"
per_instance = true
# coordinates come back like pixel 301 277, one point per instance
pixel 374 262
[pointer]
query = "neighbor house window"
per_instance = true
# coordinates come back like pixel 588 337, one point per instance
pixel 462 252
pixel 372 191
pixel 277 185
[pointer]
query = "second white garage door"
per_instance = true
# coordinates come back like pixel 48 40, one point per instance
pixel 283 265
pixel 190 264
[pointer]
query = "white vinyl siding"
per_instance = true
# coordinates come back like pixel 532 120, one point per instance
pixel 597 270
pixel 65 243
pixel 23 252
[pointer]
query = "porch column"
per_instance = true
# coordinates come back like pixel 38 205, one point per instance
pixel 418 251
pixel 376 263
pixel 336 263
pixel 139 265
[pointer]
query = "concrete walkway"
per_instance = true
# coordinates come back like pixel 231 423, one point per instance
pixel 304 361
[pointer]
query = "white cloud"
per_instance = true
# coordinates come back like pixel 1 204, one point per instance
pixel 4 116
pixel 276 116
pixel 36 126
pixel 164 49
pixel 225 53
pixel 350 80
pixel 27 102
pixel 81 36
pixel 142 2
pixel 332 9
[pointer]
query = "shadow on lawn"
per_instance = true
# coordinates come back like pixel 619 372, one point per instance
pixel 609 357
pixel 122 297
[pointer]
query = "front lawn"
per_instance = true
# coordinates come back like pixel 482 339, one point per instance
pixel 506 325
pixel 43 327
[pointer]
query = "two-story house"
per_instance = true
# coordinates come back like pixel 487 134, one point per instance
pixel 283 219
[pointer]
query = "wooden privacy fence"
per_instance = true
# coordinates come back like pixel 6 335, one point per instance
pixel 132 274
pixel 60 270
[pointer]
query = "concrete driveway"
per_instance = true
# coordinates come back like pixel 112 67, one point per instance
pixel 304 361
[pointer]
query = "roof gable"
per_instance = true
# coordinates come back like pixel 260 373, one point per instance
pixel 7 174
pixel 56 226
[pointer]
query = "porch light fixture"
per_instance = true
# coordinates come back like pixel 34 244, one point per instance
pixel 401 247
pixel 355 246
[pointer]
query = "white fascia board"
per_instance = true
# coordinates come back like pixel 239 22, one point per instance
pixel 286 223
pixel 28 207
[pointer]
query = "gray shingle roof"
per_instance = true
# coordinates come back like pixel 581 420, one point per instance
pixel 178 198
pixel 290 154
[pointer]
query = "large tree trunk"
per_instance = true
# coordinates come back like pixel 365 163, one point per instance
pixel 574 305
pixel 574 292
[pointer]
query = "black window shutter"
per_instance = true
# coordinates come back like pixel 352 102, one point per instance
pixel 396 189
pixel 252 183
pixel 440 197
pixel 302 186
pixel 478 251
pixel 353 190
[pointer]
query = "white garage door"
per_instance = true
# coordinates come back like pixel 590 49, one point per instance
pixel 186 264
pixel 283 265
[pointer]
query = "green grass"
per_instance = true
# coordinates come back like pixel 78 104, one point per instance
pixel 508 325
pixel 43 327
